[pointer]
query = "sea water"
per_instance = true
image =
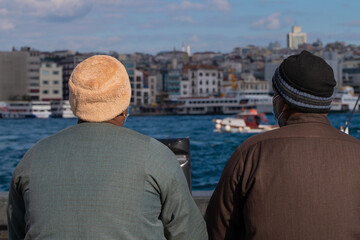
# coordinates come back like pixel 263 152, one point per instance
pixel 209 150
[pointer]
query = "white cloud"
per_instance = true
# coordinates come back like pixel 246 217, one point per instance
pixel 194 38
pixel 3 11
pixel 56 9
pixel 271 22
pixel 222 5
pixel 185 19
pixel 186 5
pixel 6 25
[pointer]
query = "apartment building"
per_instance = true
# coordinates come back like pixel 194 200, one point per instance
pixel 13 75
pixel 201 80
pixel 50 82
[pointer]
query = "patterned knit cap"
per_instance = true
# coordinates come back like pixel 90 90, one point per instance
pixel 306 83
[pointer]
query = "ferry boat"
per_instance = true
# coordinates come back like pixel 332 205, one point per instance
pixel 248 121
pixel 24 109
pixel 225 105
pixel 61 109
pixel 344 100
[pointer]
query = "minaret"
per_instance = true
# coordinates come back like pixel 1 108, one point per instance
pixel 188 49
pixel 183 47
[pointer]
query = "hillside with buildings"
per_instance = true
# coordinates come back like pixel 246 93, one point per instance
pixel 159 80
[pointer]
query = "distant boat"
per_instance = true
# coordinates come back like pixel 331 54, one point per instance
pixel 344 100
pixel 225 105
pixel 24 109
pixel 248 121
pixel 61 109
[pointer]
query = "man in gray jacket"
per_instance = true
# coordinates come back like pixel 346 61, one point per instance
pixel 300 181
pixel 97 179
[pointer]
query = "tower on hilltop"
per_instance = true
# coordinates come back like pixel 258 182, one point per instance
pixel 296 37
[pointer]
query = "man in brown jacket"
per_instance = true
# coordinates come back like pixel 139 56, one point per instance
pixel 300 181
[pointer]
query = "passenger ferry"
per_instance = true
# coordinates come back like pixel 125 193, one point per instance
pixel 24 109
pixel 344 100
pixel 61 109
pixel 230 104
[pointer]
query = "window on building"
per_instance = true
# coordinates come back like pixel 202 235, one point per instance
pixel 207 90
pixel 45 82
pixel 44 72
pixel 200 82
pixel 207 82
pixel 45 91
pixel 207 74
pixel 200 73
pixel 138 93
pixel 213 74
pixel 56 72
pixel 184 92
pixel 56 82
pixel 200 90
pixel 138 85
pixel 55 91
pixel 213 90
pixel 138 79
pixel 213 82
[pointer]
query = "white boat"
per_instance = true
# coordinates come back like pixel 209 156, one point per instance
pixel 61 109
pixel 24 109
pixel 224 105
pixel 344 100
pixel 248 121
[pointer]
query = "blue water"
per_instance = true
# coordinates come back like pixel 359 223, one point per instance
pixel 209 150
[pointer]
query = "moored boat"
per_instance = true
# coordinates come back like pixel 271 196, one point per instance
pixel 248 121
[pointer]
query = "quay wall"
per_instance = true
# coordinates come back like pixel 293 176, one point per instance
pixel 201 199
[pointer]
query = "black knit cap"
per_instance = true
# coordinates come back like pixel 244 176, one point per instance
pixel 306 83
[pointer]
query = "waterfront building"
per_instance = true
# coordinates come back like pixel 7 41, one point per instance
pixel 33 68
pixel 249 84
pixel 270 66
pixel 351 73
pixel 13 75
pixel 296 37
pixel 50 82
pixel 68 64
pixel 332 58
pixel 173 82
pixel 152 80
pixel 201 80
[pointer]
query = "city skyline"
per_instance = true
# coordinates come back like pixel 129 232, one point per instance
pixel 152 26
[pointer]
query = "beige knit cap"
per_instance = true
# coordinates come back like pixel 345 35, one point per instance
pixel 99 89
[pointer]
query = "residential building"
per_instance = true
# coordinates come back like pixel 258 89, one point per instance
pixel 332 58
pixel 33 68
pixel 68 65
pixel 174 82
pixel 50 82
pixel 296 37
pixel 14 73
pixel 152 80
pixel 201 80
pixel 248 83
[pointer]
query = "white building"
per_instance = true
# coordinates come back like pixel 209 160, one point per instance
pixel 152 80
pixel 50 82
pixel 296 37
pixel 200 80
pixel 332 58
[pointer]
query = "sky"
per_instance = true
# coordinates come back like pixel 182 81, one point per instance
pixel 151 26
